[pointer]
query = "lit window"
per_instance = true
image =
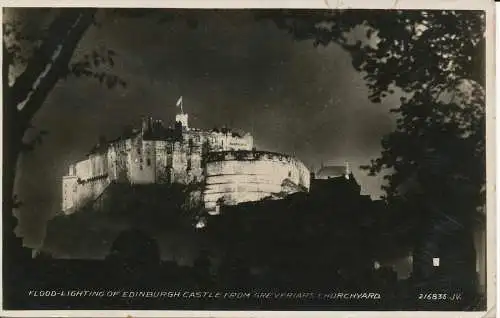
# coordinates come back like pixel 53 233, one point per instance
pixel 435 262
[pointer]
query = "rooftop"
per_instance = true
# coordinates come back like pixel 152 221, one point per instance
pixel 326 172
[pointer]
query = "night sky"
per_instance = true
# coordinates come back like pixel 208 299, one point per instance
pixel 231 70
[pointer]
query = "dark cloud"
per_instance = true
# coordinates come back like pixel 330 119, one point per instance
pixel 232 70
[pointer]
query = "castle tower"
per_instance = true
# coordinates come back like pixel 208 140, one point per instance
pixel 181 117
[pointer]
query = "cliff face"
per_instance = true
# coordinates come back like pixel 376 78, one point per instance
pixel 167 212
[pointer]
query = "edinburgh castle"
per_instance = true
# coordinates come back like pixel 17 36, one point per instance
pixel 225 163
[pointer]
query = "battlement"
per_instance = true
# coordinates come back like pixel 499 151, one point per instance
pixel 94 178
pixel 233 177
pixel 249 155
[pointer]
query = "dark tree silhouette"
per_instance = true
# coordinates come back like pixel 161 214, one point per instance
pixel 32 65
pixel 134 246
pixel 413 50
pixel 436 156
pixel 437 58
pixel 38 51
pixel 306 240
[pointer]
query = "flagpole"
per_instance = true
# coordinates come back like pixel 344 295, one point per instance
pixel 179 104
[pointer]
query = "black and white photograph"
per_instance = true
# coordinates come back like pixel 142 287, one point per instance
pixel 247 159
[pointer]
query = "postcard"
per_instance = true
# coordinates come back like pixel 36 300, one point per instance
pixel 248 159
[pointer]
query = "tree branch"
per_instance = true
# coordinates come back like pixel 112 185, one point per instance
pixel 6 63
pixel 56 33
pixel 43 78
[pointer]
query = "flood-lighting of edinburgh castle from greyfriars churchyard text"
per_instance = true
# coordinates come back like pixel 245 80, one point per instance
pixel 224 162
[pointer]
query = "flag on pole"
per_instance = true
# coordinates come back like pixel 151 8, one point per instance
pixel 179 104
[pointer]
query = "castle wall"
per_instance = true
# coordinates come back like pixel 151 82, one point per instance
pixel 77 193
pixel 182 119
pixel 89 190
pixel 195 174
pixel 195 157
pixel 162 163
pixel 149 157
pixel 117 160
pixel 142 161
pixel 83 169
pixel 179 163
pixel 112 155
pixel 220 141
pixel 69 187
pixel 236 177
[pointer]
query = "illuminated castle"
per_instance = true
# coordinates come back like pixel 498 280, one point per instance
pixel 224 162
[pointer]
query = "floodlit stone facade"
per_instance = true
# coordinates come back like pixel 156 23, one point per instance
pixel 242 176
pixel 224 162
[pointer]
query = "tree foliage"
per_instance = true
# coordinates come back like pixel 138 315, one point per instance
pixel 434 160
pixel 35 60
pixel 437 59
pixel 413 50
